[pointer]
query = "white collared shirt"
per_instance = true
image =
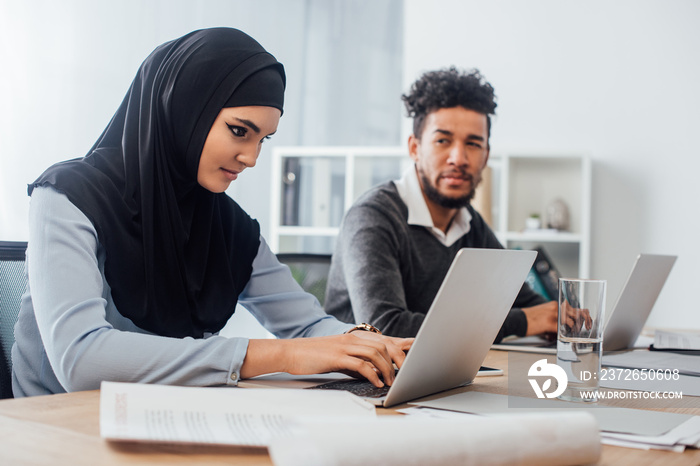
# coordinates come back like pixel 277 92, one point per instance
pixel 411 194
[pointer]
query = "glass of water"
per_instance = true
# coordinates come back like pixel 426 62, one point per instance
pixel 580 336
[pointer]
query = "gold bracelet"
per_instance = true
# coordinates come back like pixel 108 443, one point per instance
pixel 365 327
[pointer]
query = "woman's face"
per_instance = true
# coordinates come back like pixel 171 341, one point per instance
pixel 234 143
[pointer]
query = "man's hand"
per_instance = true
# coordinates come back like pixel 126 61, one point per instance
pixel 576 320
pixel 542 319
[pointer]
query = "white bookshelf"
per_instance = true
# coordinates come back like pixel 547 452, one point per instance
pixel 328 180
pixel 325 181
pixel 526 184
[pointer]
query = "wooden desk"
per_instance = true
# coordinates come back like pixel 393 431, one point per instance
pixel 64 429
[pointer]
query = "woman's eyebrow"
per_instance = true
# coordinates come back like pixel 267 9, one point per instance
pixel 249 123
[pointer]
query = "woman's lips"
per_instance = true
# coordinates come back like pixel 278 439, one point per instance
pixel 230 174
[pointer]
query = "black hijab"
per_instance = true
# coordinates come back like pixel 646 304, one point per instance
pixel 177 255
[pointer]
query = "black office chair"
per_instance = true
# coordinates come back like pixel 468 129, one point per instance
pixel 13 282
pixel 310 271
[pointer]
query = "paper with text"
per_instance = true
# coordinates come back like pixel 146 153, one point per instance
pixel 223 416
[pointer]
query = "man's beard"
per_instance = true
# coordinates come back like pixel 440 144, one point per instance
pixel 432 193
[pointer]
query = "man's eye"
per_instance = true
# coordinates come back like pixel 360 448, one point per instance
pixel 237 131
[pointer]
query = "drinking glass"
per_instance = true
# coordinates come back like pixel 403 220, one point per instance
pixel 580 336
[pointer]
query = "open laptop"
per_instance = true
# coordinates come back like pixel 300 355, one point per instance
pixel 459 328
pixel 630 313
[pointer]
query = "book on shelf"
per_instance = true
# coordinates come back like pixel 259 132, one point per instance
pixel 547 273
pixel 533 279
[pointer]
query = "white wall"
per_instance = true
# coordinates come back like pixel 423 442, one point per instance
pixel 67 65
pixel 617 80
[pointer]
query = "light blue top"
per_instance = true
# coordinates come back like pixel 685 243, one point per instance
pixel 68 306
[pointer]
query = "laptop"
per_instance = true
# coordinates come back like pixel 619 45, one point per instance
pixel 459 328
pixel 630 313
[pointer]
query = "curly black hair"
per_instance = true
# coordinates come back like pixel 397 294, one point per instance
pixel 449 88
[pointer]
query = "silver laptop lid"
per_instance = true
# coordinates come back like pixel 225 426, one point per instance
pixel 636 300
pixel 467 312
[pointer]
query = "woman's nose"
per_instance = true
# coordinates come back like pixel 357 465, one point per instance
pixel 249 157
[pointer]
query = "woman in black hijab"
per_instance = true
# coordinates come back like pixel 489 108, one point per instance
pixel 137 258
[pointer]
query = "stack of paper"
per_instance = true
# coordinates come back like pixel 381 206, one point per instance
pixel 674 372
pixel 676 341
pixel 222 416
pixel 677 439
pixel 658 360
pixel 336 428
pixel 619 426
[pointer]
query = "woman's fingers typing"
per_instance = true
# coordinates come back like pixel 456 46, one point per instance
pixel 366 354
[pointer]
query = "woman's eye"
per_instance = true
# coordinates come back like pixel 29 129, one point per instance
pixel 264 139
pixel 238 131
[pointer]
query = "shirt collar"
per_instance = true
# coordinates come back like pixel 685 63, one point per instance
pixel 411 194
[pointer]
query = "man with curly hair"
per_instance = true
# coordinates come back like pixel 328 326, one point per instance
pixel 398 240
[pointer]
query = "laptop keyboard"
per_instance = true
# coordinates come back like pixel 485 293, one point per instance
pixel 361 388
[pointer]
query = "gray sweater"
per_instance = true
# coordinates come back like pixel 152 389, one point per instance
pixel 386 272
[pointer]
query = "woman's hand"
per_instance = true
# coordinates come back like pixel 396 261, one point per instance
pixel 360 353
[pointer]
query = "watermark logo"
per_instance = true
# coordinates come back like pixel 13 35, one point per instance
pixel 542 368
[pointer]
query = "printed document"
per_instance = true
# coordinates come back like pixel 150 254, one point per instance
pixel 221 416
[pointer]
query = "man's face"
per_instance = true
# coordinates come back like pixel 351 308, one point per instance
pixel 450 155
